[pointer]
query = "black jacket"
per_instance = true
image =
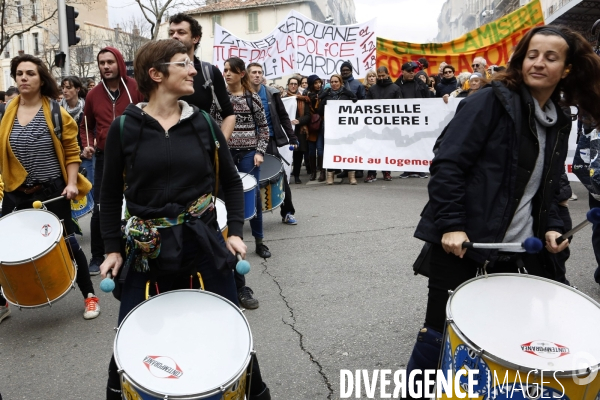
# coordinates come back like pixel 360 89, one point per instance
pixel 482 165
pixel 164 171
pixel 384 89
pixel 414 89
pixel 282 127
pixel 446 86
pixel 326 95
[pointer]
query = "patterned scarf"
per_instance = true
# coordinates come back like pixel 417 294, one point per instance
pixel 75 111
pixel 143 238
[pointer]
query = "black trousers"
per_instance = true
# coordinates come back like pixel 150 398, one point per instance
pixel 95 236
pixel 447 272
pixel 297 158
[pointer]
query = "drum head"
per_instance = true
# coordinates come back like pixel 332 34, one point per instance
pixel 248 181
pixel 183 342
pixel 528 321
pixel 221 214
pixel 271 168
pixel 28 234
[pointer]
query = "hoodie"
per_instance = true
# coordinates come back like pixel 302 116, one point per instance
pixel 352 84
pixel 100 107
pixel 384 89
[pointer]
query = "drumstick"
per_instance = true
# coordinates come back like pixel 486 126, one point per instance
pixel 38 204
pixel 242 267
pixel 107 284
pixel 592 217
pixel 87 137
pixel 531 245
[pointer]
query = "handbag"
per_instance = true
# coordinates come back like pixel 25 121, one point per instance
pixel 315 122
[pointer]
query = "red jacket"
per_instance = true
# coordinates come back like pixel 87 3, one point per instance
pixel 100 110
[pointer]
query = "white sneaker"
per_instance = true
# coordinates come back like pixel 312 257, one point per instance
pixel 4 312
pixel 573 197
pixel 92 309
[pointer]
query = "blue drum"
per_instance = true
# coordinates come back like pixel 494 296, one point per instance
pixel 250 188
pixel 272 192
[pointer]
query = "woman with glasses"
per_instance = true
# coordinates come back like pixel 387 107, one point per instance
pixel 497 170
pixel 448 83
pixel 163 153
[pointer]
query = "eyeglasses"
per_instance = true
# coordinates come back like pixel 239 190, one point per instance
pixel 448 72
pixel 184 64
pixel 475 65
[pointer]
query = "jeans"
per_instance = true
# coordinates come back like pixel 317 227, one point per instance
pixel 89 167
pixel 318 146
pixel 246 164
pixel 95 236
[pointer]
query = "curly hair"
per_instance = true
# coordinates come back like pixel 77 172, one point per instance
pixel 581 87
pixel 195 27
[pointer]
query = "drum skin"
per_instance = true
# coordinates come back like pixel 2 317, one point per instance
pixel 511 343
pixel 222 217
pixel 43 278
pixel 272 192
pixel 184 344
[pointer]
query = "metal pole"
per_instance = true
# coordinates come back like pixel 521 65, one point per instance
pixel 63 36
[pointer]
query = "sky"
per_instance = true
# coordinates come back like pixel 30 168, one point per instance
pixel 406 20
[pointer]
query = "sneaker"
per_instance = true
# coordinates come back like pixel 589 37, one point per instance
pixel 92 309
pixel 423 175
pixel 95 264
pixel 246 299
pixel 387 176
pixel 404 175
pixel 370 179
pixel 289 219
pixel 4 312
pixel 573 197
pixel 263 251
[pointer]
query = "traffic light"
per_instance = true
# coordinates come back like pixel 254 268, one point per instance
pixel 72 27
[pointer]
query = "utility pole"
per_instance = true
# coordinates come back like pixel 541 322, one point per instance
pixel 63 37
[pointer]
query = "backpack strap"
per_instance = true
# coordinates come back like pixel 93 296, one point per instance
pixel 121 124
pixel 250 102
pixel 56 118
pixel 209 77
pixel 209 148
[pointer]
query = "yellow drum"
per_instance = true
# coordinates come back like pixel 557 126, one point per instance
pixel 35 266
pixel 519 330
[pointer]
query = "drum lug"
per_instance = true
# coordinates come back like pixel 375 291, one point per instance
pixel 450 292
pixel 449 320
pixel 222 389
pixel 116 329
pixel 252 352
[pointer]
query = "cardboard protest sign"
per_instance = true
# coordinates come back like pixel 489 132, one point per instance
pixel 493 41
pixel 301 45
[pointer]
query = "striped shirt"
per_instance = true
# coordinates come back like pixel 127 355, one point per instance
pixel 33 147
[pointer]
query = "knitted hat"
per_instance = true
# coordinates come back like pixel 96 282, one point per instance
pixel 312 79
pixel 475 75
pixel 347 64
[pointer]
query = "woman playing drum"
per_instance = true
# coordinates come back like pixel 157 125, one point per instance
pixel 163 153
pixel 37 164
pixel 496 169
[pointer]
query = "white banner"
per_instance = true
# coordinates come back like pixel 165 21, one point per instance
pixel 301 45
pixel 391 135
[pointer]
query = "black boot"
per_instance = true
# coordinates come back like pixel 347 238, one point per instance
pixel 264 395
pixel 313 168
pixel 320 168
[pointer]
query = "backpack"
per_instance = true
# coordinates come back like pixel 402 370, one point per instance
pixel 56 117
pixel 209 77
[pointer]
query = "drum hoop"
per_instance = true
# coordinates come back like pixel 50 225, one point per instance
pixel 252 216
pixel 226 385
pixel 498 360
pixel 43 253
pixel 250 188
pixel 271 179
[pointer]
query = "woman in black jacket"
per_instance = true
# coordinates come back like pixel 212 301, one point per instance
pixel 448 83
pixel 336 92
pixel 496 170
pixel 163 153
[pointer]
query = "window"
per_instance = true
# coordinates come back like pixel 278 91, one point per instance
pixel 216 19
pixel 19 11
pixel 34 10
pixel 84 54
pixel 252 22
pixel 36 44
pixel 21 42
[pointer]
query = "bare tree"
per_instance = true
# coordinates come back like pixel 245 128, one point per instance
pixel 18 17
pixel 134 32
pixel 155 10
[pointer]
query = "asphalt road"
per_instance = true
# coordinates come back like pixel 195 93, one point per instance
pixel 338 293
